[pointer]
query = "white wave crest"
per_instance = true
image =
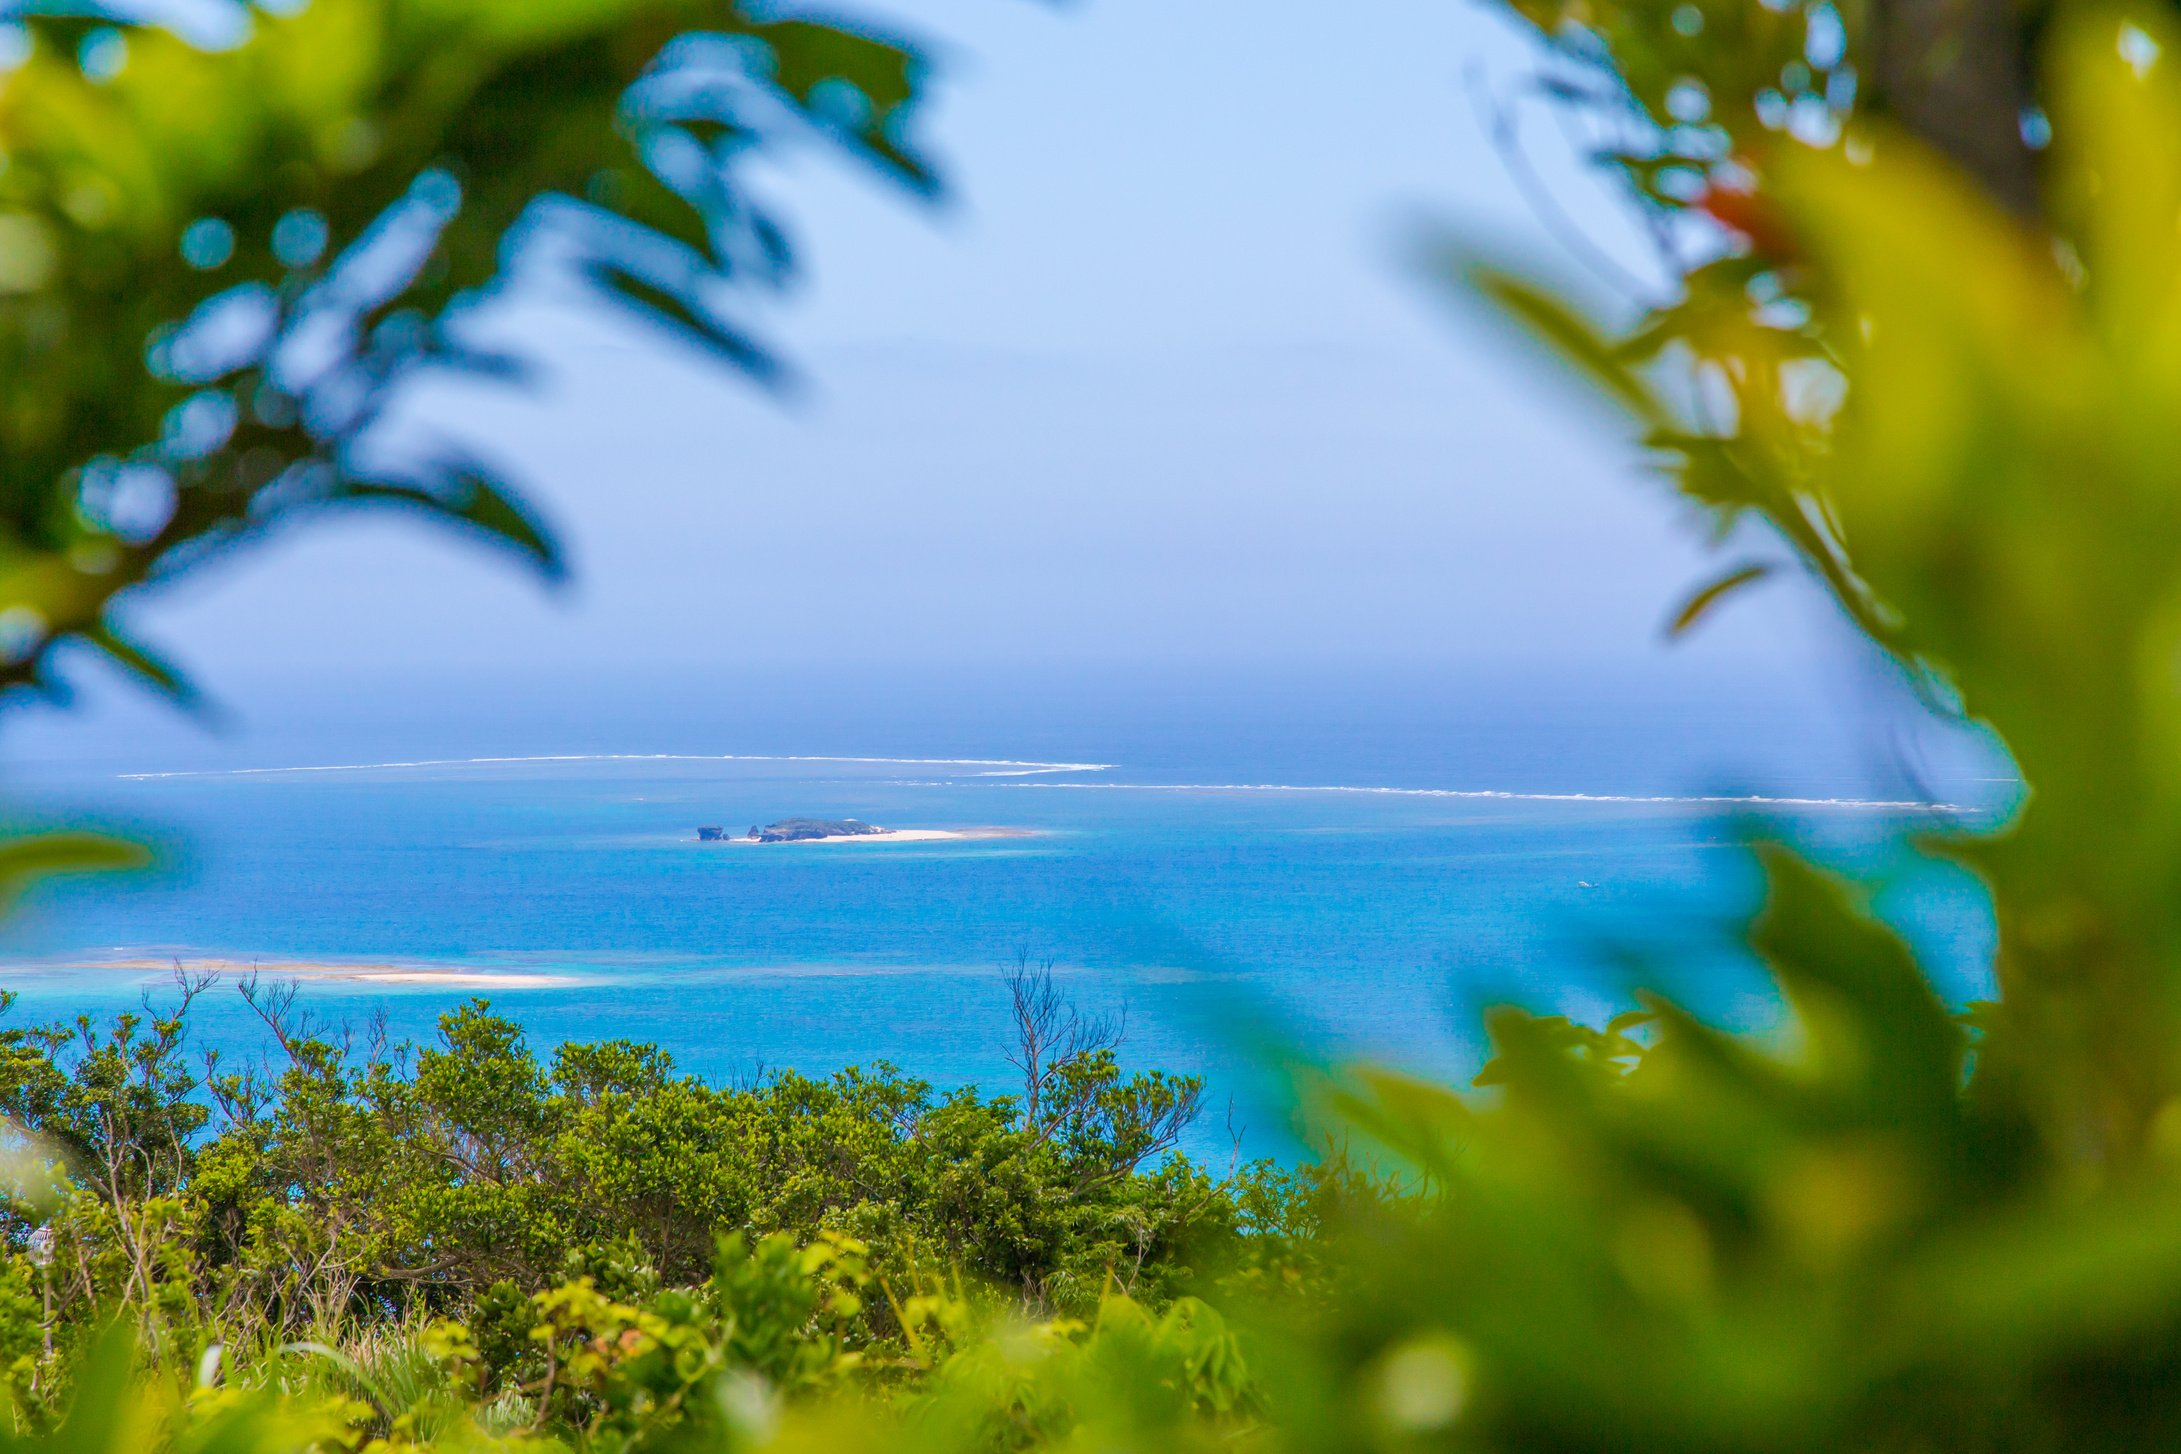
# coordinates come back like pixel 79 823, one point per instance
pixel 1012 770
pixel 1009 767
pixel 1755 800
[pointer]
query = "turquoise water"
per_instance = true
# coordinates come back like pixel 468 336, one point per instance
pixel 1219 907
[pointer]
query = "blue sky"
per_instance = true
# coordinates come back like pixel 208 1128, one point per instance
pixel 1153 385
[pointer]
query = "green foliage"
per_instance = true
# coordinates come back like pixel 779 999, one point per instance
pixel 1960 429
pixel 1942 375
pixel 594 1245
pixel 217 266
pixel 26 858
pixel 1882 1226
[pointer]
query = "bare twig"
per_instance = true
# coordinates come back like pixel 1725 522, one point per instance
pixel 1050 1033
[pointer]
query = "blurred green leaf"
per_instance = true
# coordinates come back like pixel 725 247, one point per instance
pixel 26 858
pixel 218 266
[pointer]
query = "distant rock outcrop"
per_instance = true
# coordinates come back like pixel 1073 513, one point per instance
pixel 798 830
pixel 711 833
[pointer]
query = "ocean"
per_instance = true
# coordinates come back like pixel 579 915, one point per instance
pixel 1246 875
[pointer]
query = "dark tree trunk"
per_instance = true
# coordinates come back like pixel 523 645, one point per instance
pixel 1957 73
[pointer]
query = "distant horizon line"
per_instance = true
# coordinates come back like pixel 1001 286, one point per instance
pixel 1019 768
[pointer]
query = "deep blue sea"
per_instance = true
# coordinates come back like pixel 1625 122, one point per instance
pixel 1248 875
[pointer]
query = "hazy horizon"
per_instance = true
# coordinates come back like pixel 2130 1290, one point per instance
pixel 1152 393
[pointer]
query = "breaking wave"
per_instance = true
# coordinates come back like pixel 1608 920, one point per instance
pixel 1749 800
pixel 1006 767
pixel 1007 772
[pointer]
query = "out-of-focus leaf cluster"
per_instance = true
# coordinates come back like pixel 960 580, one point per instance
pixel 1967 441
pixel 1884 1226
pixel 1710 83
pixel 1812 1242
pixel 222 256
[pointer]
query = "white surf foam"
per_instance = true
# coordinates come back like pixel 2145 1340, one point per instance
pixel 1754 800
pixel 1010 767
pixel 1010 771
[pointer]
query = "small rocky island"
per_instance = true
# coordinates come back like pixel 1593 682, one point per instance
pixel 798 830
